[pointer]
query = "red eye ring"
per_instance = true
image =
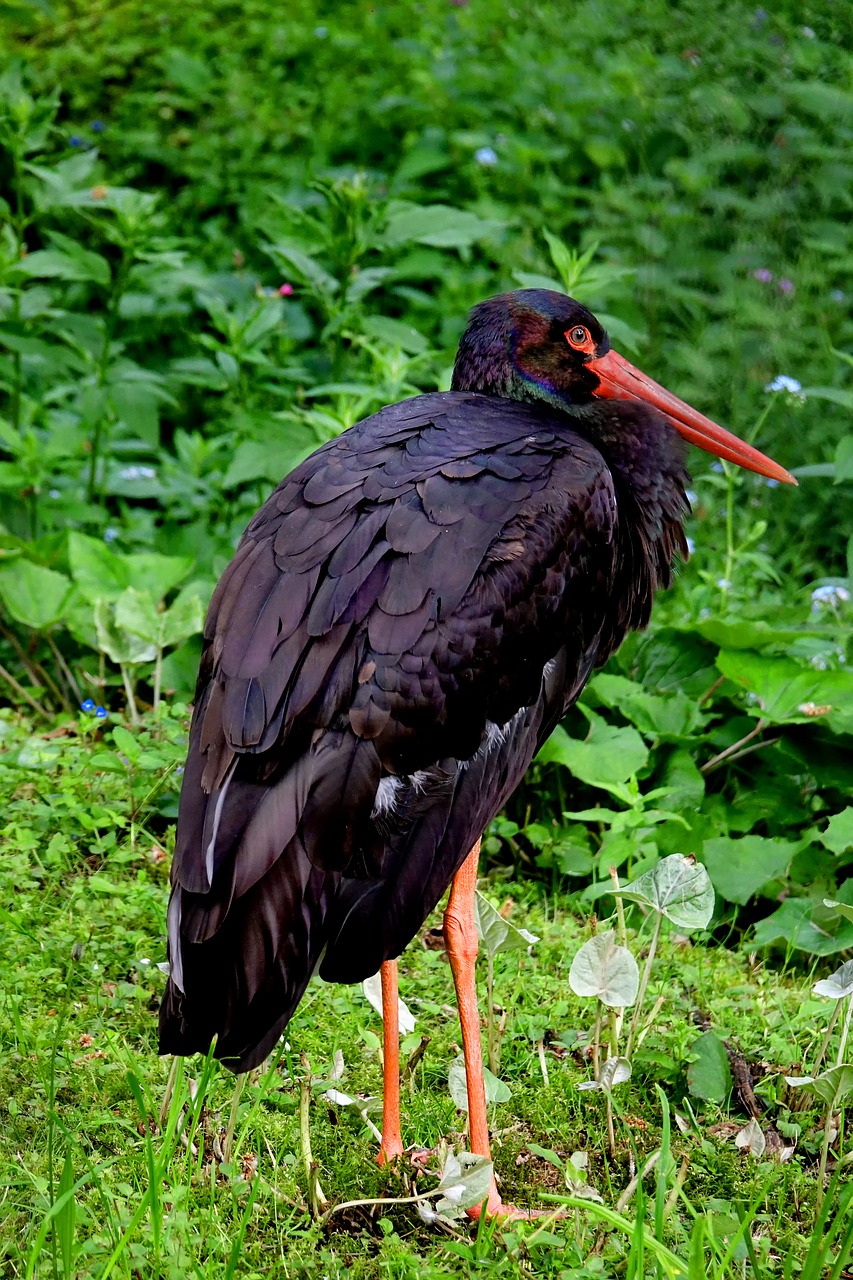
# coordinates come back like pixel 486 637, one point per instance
pixel 580 339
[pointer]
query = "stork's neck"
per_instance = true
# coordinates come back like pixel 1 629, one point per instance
pixel 646 457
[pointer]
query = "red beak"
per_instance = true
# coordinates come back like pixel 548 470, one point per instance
pixel 621 381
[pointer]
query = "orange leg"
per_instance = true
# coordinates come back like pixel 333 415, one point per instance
pixel 460 935
pixel 392 1142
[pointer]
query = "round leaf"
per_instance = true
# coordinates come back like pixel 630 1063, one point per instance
pixel 604 969
pixel 678 888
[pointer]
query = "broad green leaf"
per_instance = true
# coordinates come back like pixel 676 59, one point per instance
pixel 745 633
pixel 785 692
pixel 683 783
pixel 608 755
pixel 266 460
pixel 709 1076
pixel 457 1081
pixel 671 716
pixel 121 646
pixel 101 574
pixel 739 868
pixel 137 613
pixel 838 836
pixel 497 934
pixel 792 925
pixel 34 596
pixel 438 225
pixel 838 984
pixel 603 969
pixel 679 888
pixel 841 907
pixel 830 1086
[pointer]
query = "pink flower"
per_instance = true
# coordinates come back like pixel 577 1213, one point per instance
pixel 285 290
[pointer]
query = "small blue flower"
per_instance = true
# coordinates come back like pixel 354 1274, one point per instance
pixel 88 705
pixel 783 383
pixel 837 295
pixel 75 140
pixel 97 126
pixel 54 493
pixel 486 156
pixel 100 713
pixel 717 466
pixel 179 770
pixel 110 534
pixel 829 596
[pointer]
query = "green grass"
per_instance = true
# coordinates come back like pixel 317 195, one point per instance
pixel 81 1089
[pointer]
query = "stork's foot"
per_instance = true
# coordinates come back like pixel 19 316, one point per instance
pixel 496 1208
pixel 390 1150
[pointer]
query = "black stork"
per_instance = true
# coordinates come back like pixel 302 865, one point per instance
pixel 403 624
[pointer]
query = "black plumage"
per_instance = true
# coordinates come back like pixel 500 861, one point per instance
pixel 403 624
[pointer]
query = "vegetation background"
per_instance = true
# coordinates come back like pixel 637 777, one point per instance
pixel 229 232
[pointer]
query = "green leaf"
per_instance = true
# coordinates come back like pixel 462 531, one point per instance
pixel 35 596
pixel 838 984
pixel 438 225
pixel 664 716
pixel 709 1076
pixel 830 1086
pixel 81 265
pixel 838 836
pixel 739 868
pixel 457 1081
pixel 65 1217
pixel 497 934
pixel 608 754
pixel 300 264
pixel 394 333
pixel 603 969
pixel 265 460
pixel 792 925
pixel 844 455
pixel 785 692
pixel 122 647
pixel 466 1181
pixel 678 888
pixel 101 574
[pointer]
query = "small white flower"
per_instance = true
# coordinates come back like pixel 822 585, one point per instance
pixel 829 597
pixel 783 383
pixel 137 473
pixel 144 960
pixel 808 33
pixel 486 156
pixel 724 584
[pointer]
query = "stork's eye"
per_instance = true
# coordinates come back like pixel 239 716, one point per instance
pixel 579 338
